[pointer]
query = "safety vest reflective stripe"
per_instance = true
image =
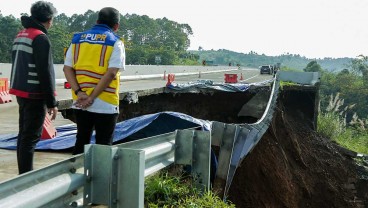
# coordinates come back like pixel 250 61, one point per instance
pixel 92 85
pixel 24 48
pixel 33 79
pixel 102 57
pixel 88 73
pixel 33 82
pixel 76 52
pixel 23 40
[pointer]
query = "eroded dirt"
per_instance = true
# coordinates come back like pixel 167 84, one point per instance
pixel 292 166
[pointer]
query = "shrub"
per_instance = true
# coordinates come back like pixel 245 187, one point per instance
pixel 329 125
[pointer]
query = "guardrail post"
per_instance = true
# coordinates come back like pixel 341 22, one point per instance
pixel 202 159
pixel 236 157
pixel 229 133
pixel 115 176
pixel 194 148
pixel 98 171
pixel 130 178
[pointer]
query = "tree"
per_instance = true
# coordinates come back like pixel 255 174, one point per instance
pixel 313 66
pixel 9 27
pixel 359 65
pixel 60 40
pixel 350 87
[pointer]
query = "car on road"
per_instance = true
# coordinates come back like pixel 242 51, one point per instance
pixel 266 69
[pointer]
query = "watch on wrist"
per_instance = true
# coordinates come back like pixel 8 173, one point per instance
pixel 77 91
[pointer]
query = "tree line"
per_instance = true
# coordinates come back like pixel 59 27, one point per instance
pixel 147 41
pixel 253 59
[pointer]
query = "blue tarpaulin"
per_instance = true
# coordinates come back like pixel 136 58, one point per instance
pixel 132 129
pixel 139 127
pixel 209 84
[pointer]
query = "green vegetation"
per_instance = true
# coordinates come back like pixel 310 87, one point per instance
pixel 343 112
pixel 286 68
pixel 144 38
pixel 284 83
pixel 164 190
pixel 334 123
pixel 331 126
pixel 356 142
pixel 253 59
pixel 352 87
pixel 313 66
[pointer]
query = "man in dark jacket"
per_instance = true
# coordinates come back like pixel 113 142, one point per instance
pixel 33 80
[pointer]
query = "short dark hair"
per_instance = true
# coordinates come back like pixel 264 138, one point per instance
pixel 108 16
pixel 43 11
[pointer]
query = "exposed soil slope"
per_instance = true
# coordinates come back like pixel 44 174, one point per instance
pixel 292 166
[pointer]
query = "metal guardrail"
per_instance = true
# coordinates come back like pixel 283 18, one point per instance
pixel 236 141
pixel 110 175
pixel 44 186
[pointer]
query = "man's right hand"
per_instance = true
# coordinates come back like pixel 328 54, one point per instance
pixel 81 101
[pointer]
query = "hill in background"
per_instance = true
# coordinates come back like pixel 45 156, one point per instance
pixel 252 59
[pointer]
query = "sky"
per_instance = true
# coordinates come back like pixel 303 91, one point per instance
pixel 310 28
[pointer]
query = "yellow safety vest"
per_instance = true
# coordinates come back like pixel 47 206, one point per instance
pixel 91 51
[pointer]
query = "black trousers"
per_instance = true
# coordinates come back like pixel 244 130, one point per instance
pixel 32 114
pixel 103 124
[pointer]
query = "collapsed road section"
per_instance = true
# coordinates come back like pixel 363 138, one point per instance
pixel 245 109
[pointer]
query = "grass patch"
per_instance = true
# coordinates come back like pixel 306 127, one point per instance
pixel 357 142
pixel 286 84
pixel 164 190
pixel 330 126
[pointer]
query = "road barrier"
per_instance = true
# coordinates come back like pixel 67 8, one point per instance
pixel 110 175
pixel 231 78
pixel 4 91
pixel 170 79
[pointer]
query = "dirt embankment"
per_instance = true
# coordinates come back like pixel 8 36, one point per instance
pixel 292 167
